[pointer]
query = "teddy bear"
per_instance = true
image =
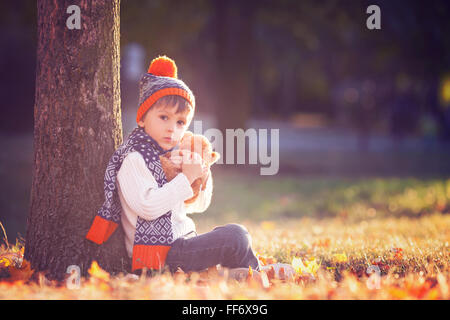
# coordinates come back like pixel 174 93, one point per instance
pixel 194 143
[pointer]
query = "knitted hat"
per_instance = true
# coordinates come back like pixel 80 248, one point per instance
pixel 161 80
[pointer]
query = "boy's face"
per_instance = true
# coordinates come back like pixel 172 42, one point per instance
pixel 165 126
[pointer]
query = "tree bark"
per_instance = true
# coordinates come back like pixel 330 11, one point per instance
pixel 77 128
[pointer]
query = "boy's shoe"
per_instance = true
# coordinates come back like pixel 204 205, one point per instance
pixel 131 277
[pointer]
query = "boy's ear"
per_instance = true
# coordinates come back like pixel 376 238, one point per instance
pixel 141 123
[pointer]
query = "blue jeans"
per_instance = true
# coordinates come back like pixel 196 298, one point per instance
pixel 228 245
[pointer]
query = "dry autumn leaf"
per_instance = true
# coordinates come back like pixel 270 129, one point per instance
pixel 9 258
pixel 398 253
pixel 323 243
pixel 97 272
pixel 268 225
pixel 20 274
pixel 340 257
pixel 309 266
pixel 4 262
pixel 265 260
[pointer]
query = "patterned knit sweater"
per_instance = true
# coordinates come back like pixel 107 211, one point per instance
pixel 140 196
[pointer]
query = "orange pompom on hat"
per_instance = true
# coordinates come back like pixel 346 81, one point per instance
pixel 161 80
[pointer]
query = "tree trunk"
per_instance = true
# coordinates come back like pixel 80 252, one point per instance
pixel 77 128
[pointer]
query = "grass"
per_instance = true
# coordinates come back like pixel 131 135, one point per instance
pixel 339 229
pixel 261 198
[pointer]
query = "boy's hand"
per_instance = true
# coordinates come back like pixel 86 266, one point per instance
pixel 176 157
pixel 192 165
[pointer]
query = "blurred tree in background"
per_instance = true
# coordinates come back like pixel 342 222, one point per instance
pixel 17 64
pixel 271 59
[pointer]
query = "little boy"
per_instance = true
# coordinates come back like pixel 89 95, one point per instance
pixel 152 211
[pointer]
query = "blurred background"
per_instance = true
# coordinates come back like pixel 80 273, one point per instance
pixel 363 114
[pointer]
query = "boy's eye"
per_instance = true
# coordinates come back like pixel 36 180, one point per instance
pixel 181 122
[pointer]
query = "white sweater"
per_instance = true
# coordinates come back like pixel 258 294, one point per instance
pixel 140 196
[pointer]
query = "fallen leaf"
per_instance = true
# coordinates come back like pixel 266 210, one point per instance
pixel 324 243
pixel 309 266
pixel 250 272
pixel 398 253
pixel 97 272
pixel 397 293
pixel 340 257
pixel 268 225
pixel 23 273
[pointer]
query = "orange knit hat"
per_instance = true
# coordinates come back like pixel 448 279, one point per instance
pixel 161 80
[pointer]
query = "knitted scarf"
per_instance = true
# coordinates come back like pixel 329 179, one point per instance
pixel 152 239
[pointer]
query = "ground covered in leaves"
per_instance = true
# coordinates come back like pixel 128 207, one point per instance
pixel 376 258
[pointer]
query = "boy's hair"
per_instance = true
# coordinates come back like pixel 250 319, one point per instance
pixel 172 100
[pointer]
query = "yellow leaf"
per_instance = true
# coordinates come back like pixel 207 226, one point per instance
pixel 5 262
pixel 268 225
pixel 397 293
pixel 433 294
pixel 9 258
pixel 340 257
pixel 97 272
pixel 310 266
pixel 298 265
